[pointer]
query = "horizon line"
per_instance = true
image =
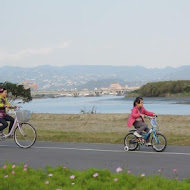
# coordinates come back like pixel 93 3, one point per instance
pixel 95 65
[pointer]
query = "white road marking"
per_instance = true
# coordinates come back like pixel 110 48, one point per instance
pixel 121 151
pixel 102 150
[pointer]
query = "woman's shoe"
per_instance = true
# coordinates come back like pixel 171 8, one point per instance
pixel 1 135
pixel 10 136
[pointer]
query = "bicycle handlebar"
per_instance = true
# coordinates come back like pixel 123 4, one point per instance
pixel 151 117
pixel 14 107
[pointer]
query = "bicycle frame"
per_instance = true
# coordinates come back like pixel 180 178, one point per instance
pixel 15 124
pixel 152 131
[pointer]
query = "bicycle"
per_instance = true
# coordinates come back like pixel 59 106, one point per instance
pixel 158 141
pixel 24 133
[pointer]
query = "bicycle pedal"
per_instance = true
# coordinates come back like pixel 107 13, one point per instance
pixel 148 145
pixel 140 140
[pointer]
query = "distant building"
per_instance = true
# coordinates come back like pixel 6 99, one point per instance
pixel 126 87
pixel 32 85
pixel 115 86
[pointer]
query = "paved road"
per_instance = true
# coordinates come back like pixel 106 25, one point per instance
pixel 82 156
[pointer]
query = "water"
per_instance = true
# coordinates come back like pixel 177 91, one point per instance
pixel 107 104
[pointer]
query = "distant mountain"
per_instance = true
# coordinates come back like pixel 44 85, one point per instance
pixel 83 76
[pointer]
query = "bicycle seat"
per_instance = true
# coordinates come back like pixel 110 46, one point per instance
pixel 132 131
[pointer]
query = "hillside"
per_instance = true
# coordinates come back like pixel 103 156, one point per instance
pixel 83 76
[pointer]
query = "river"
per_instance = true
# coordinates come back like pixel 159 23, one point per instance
pixel 107 104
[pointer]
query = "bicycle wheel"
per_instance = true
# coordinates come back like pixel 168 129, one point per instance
pixel 130 141
pixel 25 135
pixel 159 142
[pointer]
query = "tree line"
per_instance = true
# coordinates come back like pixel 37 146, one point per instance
pixel 163 89
pixel 17 91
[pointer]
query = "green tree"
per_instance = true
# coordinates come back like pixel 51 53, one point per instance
pixel 17 91
pixel 164 88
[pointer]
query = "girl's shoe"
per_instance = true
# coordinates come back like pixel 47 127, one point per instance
pixel 148 144
pixel 137 134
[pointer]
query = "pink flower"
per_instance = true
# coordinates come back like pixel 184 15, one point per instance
pixel 58 189
pixel 50 175
pixel 174 170
pixel 128 172
pixel 25 165
pixel 72 177
pixel 6 176
pixel 25 169
pixel 115 179
pixel 119 170
pixel 4 167
pixel 13 166
pixel 13 172
pixel 47 182
pixel 95 175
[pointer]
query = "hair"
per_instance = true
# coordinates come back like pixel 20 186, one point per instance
pixel 137 100
pixel 2 90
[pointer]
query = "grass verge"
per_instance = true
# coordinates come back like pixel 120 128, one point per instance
pixel 83 137
pixel 103 137
pixel 15 177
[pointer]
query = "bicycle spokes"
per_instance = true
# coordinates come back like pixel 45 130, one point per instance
pixel 157 139
pixel 25 135
pixel 159 142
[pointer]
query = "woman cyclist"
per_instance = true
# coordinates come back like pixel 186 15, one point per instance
pixel 4 117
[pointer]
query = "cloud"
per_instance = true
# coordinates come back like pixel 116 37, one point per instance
pixel 28 52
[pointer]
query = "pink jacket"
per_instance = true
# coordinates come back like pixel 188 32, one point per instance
pixel 136 114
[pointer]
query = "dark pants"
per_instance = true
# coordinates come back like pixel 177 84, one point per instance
pixel 141 126
pixel 4 122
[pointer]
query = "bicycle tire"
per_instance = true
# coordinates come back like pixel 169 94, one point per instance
pixel 132 145
pixel 161 142
pixel 27 139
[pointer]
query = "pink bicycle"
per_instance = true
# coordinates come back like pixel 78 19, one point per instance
pixel 24 133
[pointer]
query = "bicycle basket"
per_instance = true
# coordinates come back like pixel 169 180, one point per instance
pixel 153 122
pixel 23 115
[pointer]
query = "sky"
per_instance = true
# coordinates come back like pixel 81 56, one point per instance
pixel 149 33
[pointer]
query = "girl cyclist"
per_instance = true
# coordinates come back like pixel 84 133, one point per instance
pixel 136 118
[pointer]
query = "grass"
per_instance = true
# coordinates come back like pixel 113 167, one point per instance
pixel 174 139
pixel 104 128
pixel 87 137
pixel 15 177
pixel 103 137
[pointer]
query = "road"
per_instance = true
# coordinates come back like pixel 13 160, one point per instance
pixel 83 156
